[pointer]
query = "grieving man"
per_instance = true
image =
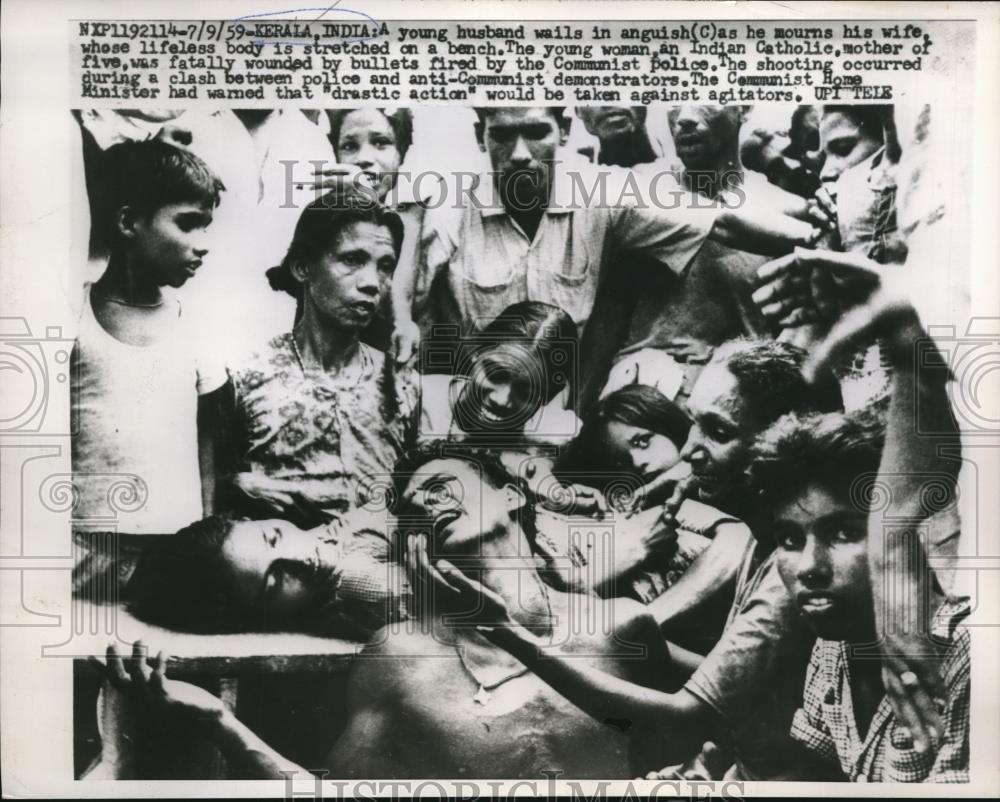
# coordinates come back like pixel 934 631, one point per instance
pixel 537 228
pixel 436 698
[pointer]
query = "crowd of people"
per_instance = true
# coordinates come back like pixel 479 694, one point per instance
pixel 706 348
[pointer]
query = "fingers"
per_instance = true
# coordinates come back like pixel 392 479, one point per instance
pixel 137 668
pixel 907 713
pixel 469 587
pixel 428 575
pixel 116 669
pixel 776 267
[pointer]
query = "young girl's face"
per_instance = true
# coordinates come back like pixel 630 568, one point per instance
pixel 367 141
pixel 635 449
pixel 505 389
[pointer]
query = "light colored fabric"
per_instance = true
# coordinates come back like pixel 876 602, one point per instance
pixel 826 722
pixel 491 263
pixel 325 432
pixel 135 453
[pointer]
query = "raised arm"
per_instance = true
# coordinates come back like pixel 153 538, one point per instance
pixel 163 700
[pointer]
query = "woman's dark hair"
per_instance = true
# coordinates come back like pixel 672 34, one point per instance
pixel 400 121
pixel 319 226
pixel 870 119
pixel 636 405
pixel 316 233
pixel 180 583
pixel 546 331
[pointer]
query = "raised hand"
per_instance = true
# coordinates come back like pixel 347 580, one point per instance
pixel 810 286
pixel 454 588
pixel 147 685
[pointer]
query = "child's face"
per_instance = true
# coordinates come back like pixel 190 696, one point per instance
pixel 823 560
pixel 632 448
pixel 367 141
pixel 505 388
pixel 171 243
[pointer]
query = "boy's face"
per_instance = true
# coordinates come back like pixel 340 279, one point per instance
pixel 823 561
pixel 171 243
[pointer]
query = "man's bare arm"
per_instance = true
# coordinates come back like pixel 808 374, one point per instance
pixel 767 233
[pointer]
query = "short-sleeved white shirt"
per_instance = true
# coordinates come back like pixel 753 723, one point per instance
pixel 135 453
pixel 492 263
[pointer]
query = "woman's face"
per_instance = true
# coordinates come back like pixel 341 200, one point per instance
pixel 845 144
pixel 505 388
pixel 639 450
pixel 367 141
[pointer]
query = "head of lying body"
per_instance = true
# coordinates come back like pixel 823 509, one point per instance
pixel 635 431
pixel 816 476
pixel 519 363
pixel 747 385
pixel 223 574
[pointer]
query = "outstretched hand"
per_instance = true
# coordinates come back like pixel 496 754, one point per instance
pixel 814 286
pixel 445 582
pixel 146 684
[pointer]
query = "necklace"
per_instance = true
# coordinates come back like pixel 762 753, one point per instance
pixel 483 695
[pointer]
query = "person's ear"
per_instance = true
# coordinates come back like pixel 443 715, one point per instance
pixel 300 272
pixel 127 220
pixel 514 498
pixel 480 135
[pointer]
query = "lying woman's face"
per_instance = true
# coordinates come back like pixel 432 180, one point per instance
pixel 505 389
pixel 278 570
pixel 639 450
pixel 367 141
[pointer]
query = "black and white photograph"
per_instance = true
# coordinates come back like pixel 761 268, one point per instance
pixel 411 400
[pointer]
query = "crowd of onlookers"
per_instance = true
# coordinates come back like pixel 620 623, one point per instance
pixel 403 398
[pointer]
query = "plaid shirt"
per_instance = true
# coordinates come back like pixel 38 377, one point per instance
pixel 825 723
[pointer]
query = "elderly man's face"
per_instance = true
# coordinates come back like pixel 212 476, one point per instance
pixel 610 122
pixel 703 133
pixel 522 144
